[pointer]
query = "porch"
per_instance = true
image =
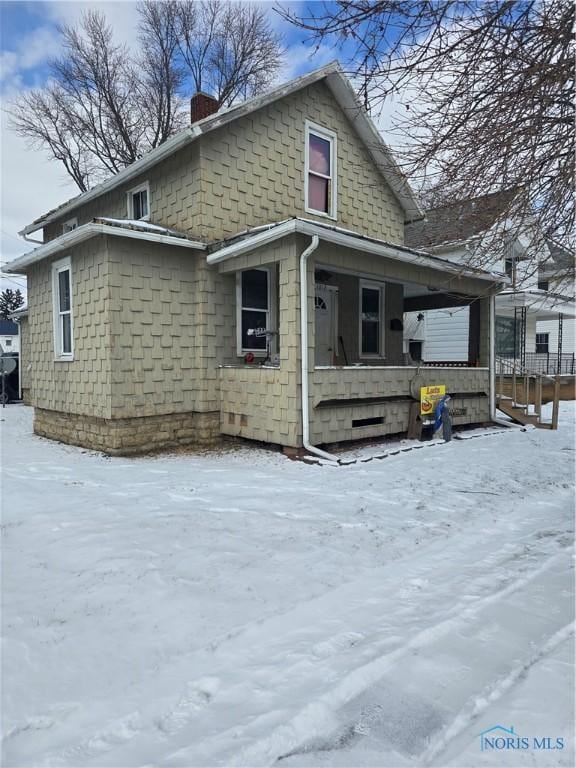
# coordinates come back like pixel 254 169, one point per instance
pixel 518 340
pixel 361 382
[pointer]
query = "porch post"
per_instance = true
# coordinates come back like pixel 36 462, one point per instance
pixel 560 329
pixel 492 357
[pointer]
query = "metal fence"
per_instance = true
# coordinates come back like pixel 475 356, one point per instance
pixel 549 363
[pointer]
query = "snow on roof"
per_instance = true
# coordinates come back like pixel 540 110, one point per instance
pixel 249 239
pixel 144 226
pixel 138 230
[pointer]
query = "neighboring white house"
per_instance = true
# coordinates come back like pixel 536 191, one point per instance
pixel 438 335
pixel 556 275
pixel 9 337
pixel 531 316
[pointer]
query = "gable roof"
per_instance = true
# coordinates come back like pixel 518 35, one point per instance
pixel 560 258
pixel 458 222
pixel 344 95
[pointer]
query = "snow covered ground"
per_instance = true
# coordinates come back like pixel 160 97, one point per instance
pixel 244 610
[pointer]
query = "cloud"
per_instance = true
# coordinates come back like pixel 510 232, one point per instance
pixel 122 16
pixel 30 52
pixel 30 186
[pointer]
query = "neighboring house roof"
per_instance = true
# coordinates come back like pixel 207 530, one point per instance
pixel 544 304
pixel 344 95
pixel 561 259
pixel 8 328
pixel 102 226
pixel 458 222
pixel 249 240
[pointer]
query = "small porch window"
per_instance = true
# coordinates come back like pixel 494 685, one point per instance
pixel 139 202
pixel 69 225
pixel 320 179
pixel 62 309
pixel 542 343
pixel 371 314
pixel 254 310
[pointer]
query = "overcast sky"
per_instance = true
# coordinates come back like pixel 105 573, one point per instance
pixel 32 184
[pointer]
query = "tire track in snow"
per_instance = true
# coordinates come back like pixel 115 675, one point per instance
pixel 479 704
pixel 159 735
pixel 318 717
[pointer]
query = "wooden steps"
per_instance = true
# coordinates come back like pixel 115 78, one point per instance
pixel 519 415
pixel 518 388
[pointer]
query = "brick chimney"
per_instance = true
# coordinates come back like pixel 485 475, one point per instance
pixel 202 105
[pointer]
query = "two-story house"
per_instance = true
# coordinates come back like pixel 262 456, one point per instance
pixel 248 277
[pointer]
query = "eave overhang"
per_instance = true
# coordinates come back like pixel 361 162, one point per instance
pixel 353 241
pixel 93 229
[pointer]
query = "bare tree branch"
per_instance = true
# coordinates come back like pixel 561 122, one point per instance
pixel 105 106
pixel 486 88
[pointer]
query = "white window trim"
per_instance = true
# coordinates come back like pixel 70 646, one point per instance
pixel 145 187
pixel 69 225
pixel 547 342
pixel 61 266
pixel 381 287
pixel 270 312
pixel 323 133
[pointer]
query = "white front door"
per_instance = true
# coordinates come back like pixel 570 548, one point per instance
pixel 326 315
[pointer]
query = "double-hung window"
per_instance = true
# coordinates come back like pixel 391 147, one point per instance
pixel 62 309
pixel 139 202
pixel 253 302
pixel 542 343
pixel 320 179
pixel 371 315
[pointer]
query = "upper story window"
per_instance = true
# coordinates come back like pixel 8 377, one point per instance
pixel 544 285
pixel 510 269
pixel 69 225
pixel 62 309
pixel 371 320
pixel 320 180
pixel 139 202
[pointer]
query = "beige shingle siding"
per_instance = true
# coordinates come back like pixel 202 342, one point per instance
pixel 154 324
pixel 83 385
pixel 251 172
pixel 174 196
pixel 332 424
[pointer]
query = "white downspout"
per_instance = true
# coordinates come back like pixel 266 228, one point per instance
pixel 31 240
pixel 304 350
pixel 492 365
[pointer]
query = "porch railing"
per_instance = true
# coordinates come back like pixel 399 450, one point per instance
pixel 548 363
pixel 563 364
pixel 518 388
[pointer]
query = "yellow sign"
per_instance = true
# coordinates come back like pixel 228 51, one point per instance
pixel 429 396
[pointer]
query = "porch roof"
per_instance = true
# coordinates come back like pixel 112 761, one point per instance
pixel 249 240
pixel 543 304
pixel 100 226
